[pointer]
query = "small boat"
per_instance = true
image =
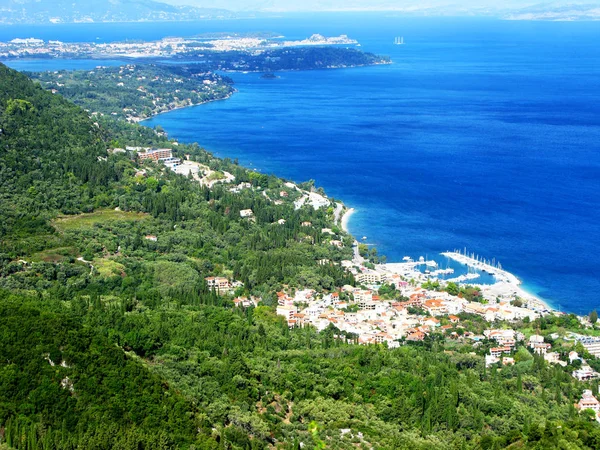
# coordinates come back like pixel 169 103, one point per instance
pixel 364 238
pixel 399 41
pixel 407 258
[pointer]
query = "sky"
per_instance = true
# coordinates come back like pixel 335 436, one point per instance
pixel 374 5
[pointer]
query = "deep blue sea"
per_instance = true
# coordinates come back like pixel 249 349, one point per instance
pixel 483 134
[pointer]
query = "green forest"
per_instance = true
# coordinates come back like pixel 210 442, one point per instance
pixel 110 337
pixel 135 92
pixel 293 58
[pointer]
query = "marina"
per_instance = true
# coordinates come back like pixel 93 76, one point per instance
pixel 506 284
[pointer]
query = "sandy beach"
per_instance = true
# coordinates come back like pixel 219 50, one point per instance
pixel 346 219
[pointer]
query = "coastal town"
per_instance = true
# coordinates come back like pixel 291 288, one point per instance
pixel 393 303
pixel 189 277
pixel 397 303
pixel 426 302
pixel 165 48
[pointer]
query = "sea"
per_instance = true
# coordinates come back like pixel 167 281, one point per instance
pixel 483 134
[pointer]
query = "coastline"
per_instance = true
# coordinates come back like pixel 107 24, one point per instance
pixel 346 219
pixel 152 116
pixel 228 96
pixel 353 66
pixel 506 284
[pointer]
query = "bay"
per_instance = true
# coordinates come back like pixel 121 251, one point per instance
pixel 483 134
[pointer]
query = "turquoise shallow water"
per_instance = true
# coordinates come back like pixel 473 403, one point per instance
pixel 482 134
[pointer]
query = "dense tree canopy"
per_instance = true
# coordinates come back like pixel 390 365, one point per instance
pixel 109 339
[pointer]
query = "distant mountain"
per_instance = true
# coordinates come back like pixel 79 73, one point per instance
pixel 418 7
pixel 558 11
pixel 505 9
pixel 73 11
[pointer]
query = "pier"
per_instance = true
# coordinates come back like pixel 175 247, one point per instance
pixel 489 266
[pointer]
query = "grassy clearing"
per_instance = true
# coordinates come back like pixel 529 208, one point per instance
pixel 108 267
pixel 80 221
pixel 55 255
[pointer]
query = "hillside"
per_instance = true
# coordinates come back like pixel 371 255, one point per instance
pixel 135 92
pixel 112 336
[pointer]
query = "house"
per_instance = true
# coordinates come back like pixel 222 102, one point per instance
pixel 337 243
pixel 431 322
pixel 244 213
pixel 398 307
pixel 380 338
pixel 415 336
pixel 453 319
pixel 502 337
pixel 300 320
pixel 588 401
pixel 491 314
pixel 435 307
pixel 361 296
pixel 585 373
pixel 281 221
pixel 498 351
pixel 508 361
pixel 573 356
pixel 475 308
pixel 506 314
pixel 552 357
pixel 283 194
pixel 366 339
pixel 536 339
pixel 541 349
pixel 287 312
pixel 218 283
pixel 491 360
pixel 150 237
pixel 305 295
pixel 368 277
pixel 415 300
pixel 367 305
pixel 284 300
pixel 245 302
